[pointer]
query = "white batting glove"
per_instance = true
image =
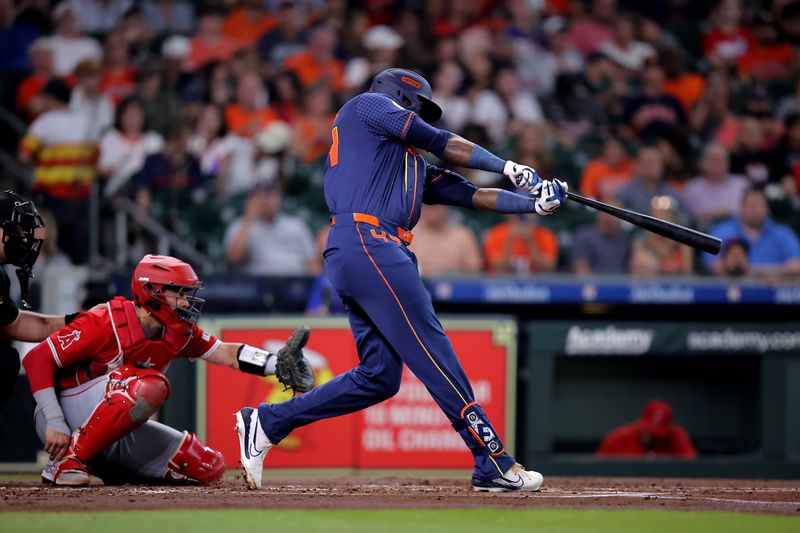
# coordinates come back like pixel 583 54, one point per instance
pixel 549 196
pixel 521 176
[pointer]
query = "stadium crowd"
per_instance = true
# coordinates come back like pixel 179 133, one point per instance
pixel 215 119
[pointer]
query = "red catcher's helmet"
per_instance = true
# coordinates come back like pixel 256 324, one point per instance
pixel 153 274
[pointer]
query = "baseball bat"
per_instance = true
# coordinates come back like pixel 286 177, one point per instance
pixel 676 232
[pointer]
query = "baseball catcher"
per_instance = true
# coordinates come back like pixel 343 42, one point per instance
pixel 98 381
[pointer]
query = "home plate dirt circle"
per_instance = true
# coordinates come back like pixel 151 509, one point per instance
pixel 774 497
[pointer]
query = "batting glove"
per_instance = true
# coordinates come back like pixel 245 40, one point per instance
pixel 549 196
pixel 521 176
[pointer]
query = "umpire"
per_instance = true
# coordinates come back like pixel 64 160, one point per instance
pixel 21 230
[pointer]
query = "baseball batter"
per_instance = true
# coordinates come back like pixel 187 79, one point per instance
pixel 97 382
pixel 375 184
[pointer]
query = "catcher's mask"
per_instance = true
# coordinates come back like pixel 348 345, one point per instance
pixel 19 220
pixel 167 287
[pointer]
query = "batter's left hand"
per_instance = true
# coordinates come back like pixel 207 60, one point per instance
pixel 549 196
pixel 522 176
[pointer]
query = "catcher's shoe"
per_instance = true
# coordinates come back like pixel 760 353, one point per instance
pixel 517 478
pixel 69 472
pixel 49 472
pixel 253 445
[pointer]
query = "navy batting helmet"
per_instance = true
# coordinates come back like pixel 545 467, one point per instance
pixel 408 89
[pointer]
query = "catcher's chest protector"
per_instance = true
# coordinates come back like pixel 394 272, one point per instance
pixel 136 349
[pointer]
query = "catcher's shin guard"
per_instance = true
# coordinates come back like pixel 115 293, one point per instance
pixel 132 396
pixel 195 462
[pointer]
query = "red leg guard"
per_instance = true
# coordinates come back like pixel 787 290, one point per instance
pixel 132 396
pixel 194 462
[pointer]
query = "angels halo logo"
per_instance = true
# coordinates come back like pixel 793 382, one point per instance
pixel 65 341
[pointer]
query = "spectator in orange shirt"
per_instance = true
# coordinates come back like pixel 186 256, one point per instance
pixel 29 103
pixel 604 176
pixel 117 79
pixel 653 434
pixel 311 136
pixel 210 43
pixel 443 246
pixel 653 255
pixel 520 245
pixel 318 62
pixel 768 59
pixel 686 87
pixel 250 113
pixel 248 21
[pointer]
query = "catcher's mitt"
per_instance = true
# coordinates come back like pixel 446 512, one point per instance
pixel 291 368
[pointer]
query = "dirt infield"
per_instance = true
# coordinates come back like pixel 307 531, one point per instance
pixel 776 497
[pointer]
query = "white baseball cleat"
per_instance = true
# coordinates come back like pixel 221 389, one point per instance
pixel 517 478
pixel 253 445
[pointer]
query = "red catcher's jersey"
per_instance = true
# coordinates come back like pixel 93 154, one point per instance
pixel 100 341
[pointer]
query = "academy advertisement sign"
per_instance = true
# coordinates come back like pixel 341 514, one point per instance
pixel 655 338
pixel 406 431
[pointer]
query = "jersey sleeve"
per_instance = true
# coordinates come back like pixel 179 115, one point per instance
pixel 8 309
pixel 384 117
pixel 447 188
pixel 81 340
pixel 201 346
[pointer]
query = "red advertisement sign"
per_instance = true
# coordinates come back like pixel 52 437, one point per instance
pixel 406 431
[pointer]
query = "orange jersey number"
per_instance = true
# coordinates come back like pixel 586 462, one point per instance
pixel 334 153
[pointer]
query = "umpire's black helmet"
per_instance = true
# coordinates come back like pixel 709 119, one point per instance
pixel 19 219
pixel 408 89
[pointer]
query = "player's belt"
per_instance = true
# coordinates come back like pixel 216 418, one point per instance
pixel 404 235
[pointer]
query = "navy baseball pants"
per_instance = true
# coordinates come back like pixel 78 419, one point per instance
pixel 393 323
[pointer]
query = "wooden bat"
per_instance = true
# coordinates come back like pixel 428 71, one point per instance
pixel 676 232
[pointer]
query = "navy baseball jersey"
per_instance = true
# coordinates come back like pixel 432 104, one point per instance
pixel 373 167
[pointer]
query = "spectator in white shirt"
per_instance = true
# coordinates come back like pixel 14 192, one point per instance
pixel 624 50
pixel 124 148
pixel 89 101
pixel 456 109
pixel 70 46
pixel 265 242
pixel 494 109
pixel 715 194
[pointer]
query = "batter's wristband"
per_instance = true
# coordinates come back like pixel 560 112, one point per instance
pixel 70 317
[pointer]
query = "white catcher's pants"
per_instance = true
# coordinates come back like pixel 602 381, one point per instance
pixel 146 451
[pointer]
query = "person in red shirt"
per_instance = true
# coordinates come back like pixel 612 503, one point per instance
pixel 726 40
pixel 653 434
pixel 210 43
pixel 98 380
pixel 249 21
pixel 250 113
pixel 520 245
pixel 29 104
pixel 117 79
pixel 769 59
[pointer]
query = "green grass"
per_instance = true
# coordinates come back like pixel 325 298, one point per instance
pixel 399 521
